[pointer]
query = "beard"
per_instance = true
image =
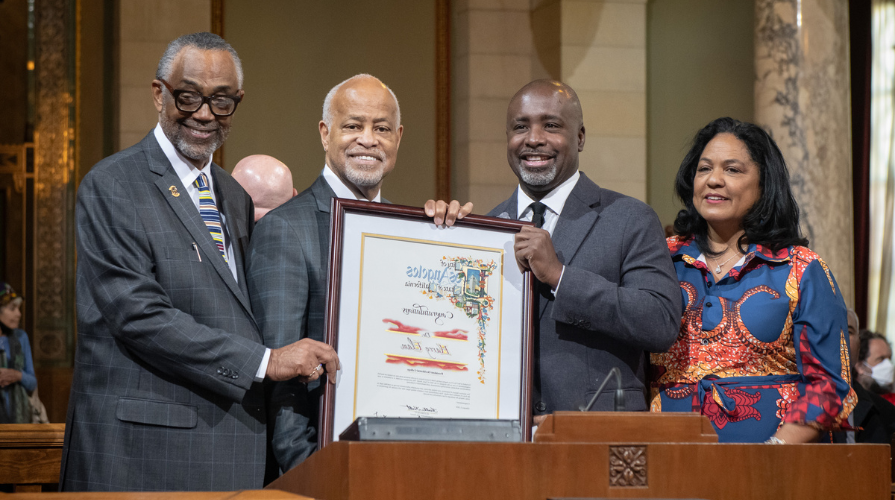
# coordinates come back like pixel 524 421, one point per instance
pixel 541 177
pixel 364 177
pixel 187 145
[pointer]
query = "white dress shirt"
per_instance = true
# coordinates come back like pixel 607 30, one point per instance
pixel 188 175
pixel 554 200
pixel 341 190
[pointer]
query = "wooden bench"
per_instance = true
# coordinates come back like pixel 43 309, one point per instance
pixel 30 455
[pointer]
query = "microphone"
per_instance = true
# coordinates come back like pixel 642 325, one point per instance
pixel 619 392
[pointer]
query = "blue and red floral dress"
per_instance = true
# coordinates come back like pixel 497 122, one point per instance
pixel 765 345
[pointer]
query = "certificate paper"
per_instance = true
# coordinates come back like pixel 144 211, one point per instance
pixel 425 331
pixel 429 322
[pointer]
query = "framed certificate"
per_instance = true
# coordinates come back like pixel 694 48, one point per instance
pixel 428 321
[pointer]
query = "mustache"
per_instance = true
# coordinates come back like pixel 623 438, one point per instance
pixel 205 127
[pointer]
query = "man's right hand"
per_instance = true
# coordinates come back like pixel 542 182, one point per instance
pixel 446 213
pixel 306 359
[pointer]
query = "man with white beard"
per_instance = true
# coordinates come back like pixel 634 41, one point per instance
pixel 606 287
pixel 286 268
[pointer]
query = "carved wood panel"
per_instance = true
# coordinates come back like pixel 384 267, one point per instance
pixel 627 466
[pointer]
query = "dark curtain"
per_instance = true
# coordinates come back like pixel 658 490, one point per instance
pixel 861 52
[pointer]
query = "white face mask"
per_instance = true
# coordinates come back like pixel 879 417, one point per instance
pixel 883 373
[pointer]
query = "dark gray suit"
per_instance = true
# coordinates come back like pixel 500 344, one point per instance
pixel 287 272
pixel 163 395
pixel 619 296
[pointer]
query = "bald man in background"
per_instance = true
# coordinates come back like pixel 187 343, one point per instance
pixel 267 180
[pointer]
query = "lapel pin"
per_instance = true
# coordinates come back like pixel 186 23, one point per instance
pixel 174 192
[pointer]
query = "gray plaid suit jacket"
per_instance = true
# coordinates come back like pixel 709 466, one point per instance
pixel 619 296
pixel 286 271
pixel 163 396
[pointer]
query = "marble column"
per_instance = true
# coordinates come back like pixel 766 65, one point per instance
pixel 802 98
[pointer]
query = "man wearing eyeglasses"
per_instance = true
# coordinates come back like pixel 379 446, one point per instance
pixel 167 384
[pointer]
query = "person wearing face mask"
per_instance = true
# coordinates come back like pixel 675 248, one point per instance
pixel 875 369
pixel 873 420
pixel 17 377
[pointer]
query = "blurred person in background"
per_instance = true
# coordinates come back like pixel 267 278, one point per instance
pixel 17 379
pixel 874 368
pixel 267 180
pixel 873 419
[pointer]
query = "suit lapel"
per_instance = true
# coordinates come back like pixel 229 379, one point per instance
pixel 508 210
pixel 186 211
pixel 579 214
pixel 323 194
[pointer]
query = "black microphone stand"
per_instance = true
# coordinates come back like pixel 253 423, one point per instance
pixel 619 392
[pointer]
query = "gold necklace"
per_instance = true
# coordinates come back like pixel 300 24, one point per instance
pixel 718 267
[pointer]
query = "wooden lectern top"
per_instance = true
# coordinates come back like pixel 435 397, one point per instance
pixel 595 455
pixel 625 427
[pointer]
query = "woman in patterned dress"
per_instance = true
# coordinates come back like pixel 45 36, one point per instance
pixel 763 345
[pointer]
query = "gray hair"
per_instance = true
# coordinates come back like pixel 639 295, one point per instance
pixel 202 41
pixel 327 112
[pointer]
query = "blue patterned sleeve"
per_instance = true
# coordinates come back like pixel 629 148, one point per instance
pixel 820 333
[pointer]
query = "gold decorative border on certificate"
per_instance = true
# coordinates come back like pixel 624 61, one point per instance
pixel 364 237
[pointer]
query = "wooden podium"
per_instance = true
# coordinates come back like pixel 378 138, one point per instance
pixel 595 455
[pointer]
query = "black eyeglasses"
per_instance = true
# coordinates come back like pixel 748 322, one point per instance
pixel 190 102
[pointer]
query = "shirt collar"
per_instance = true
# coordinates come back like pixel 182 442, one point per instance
pixel 554 200
pixel 680 246
pixel 688 251
pixel 182 167
pixel 341 190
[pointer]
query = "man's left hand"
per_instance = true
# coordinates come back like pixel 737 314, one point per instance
pixel 447 213
pixel 534 251
pixel 9 376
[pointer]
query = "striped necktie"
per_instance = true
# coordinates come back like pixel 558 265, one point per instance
pixel 209 212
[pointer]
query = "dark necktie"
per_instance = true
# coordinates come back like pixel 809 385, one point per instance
pixel 538 209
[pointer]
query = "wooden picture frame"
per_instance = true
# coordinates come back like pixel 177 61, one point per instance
pixel 469 295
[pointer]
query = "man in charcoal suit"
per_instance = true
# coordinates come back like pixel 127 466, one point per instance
pixel 166 392
pixel 607 291
pixel 286 266
pixel 288 258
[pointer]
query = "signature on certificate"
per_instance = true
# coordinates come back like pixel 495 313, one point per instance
pixel 424 409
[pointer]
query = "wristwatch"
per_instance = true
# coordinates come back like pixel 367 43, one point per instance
pixel 774 440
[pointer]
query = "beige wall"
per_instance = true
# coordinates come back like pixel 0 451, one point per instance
pixel 145 27
pixel 646 84
pixel 700 66
pixel 596 46
pixel 602 55
pixel 294 52
pixel 491 59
